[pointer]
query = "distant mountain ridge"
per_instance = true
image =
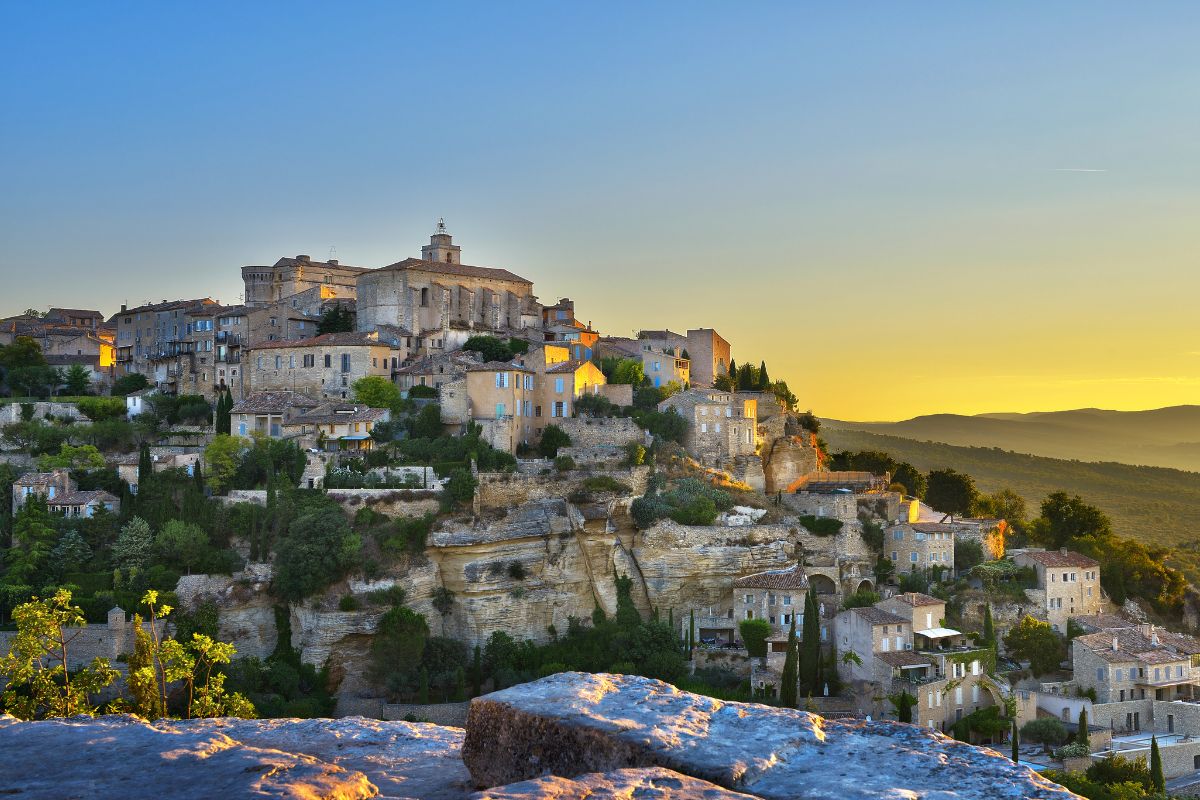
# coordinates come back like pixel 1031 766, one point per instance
pixel 1162 437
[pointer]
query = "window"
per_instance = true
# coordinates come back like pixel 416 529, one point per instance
pixel 913 557
pixel 787 599
pixel 499 410
pixel 1099 673
pixel 898 534
pixel 895 556
pixel 749 599
pixel 558 385
pixel 718 427
pixel 345 362
pixel 328 361
pixel 728 412
pixel 278 362
pixel 260 362
pixel 291 362
pixel 310 360
pixel 560 409
pixel 886 641
pixel 704 427
pixel 501 380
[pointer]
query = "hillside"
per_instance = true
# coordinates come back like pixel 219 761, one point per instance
pixel 1164 437
pixel 1153 504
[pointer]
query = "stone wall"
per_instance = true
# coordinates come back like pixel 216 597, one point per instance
pixel 736 661
pixel 451 714
pixel 785 460
pixel 506 490
pixel 390 502
pixel 620 394
pixel 820 504
pixel 592 432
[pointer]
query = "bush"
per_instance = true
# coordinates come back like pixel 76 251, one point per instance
pixel 348 602
pixel 635 454
pixel 318 550
pixel 98 409
pixel 553 437
pixel 516 571
pixel 863 598
pixel 423 393
pixel 754 635
pixel 564 463
pixel 821 526
pixel 604 483
pixel 594 405
pixel 1045 730
pixel 460 488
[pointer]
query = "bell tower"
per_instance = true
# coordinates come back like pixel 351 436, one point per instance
pixel 441 247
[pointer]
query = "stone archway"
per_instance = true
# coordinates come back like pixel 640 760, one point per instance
pixel 821 584
pixel 865 585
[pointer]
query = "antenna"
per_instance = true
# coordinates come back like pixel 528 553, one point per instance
pixel 441 225
pixel 332 252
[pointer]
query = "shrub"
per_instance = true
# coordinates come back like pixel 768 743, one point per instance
pixel 423 393
pixel 553 437
pixel 821 526
pixel 564 463
pixel 318 550
pixel 635 454
pixel 1045 730
pixel 604 483
pixel 516 571
pixel 754 635
pixel 863 598
pixel 348 603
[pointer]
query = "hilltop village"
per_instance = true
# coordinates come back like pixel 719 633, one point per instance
pixel 392 489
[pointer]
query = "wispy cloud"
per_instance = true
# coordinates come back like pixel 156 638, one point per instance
pixel 1077 169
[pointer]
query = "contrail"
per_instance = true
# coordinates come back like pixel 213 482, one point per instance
pixel 1077 169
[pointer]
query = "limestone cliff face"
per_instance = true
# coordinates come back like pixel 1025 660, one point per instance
pixel 784 460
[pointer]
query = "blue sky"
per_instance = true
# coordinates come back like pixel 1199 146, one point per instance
pixel 814 181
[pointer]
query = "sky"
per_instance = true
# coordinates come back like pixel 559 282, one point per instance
pixel 903 208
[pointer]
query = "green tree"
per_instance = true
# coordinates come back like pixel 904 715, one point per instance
pixel 903 702
pixel 221 459
pixel 76 380
pixel 224 415
pixel 336 320
pixel 1015 736
pixel 1081 735
pixel 489 348
pixel 39 685
pixel 427 423
pixel 1067 520
pixel 376 391
pixel 764 381
pixel 82 458
pixel 810 647
pixel 951 492
pixel 989 626
pixel 460 488
pixel 132 549
pixel 182 544
pixel 34 536
pixel 915 484
pixel 1003 504
pixel 99 409
pixel 627 615
pixel 318 550
pixel 787 691
pixel 145 699
pixel 754 636
pixel 70 554
pixel 128 384
pixel 553 437
pixel 1156 766
pixel 628 370
pixel 1036 642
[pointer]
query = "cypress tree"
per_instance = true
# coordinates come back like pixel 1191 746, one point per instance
pixel 460 686
pixel 1156 767
pixel 733 373
pixel 1081 735
pixel 423 687
pixel 764 382
pixel 1016 743
pixel 477 673
pixel 691 632
pixel 810 647
pixel 598 617
pixel 989 627
pixel 787 692
pixel 145 467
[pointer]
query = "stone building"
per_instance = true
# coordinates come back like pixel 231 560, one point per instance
pixel 336 426
pixel 324 366
pixel 776 596
pixel 916 546
pixel 442 301
pixel 266 413
pixel 436 370
pixel 500 399
pixel 150 339
pixel 560 326
pixel 721 425
pixel 85 503
pixel 709 354
pixel 1136 663
pixel 1068 584
pixel 666 366
pixel 47 485
pixel 293 276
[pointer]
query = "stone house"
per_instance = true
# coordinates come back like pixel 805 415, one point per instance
pixel 324 366
pixel 500 399
pixel 709 354
pixel 1068 584
pixel 914 546
pixel 560 326
pixel 84 503
pixel 721 425
pixel 775 595
pixel 336 426
pixel 868 631
pixel 1137 662
pixel 443 301
pixel 435 370
pixel 150 338
pixel 48 485
pixel 665 366
pixel 266 413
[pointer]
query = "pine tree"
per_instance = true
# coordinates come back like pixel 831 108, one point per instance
pixel 1156 766
pixel 764 382
pixel 1016 743
pixel 627 614
pixel 787 692
pixel 810 647
pixel 1081 735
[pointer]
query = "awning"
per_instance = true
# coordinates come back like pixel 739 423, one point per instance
pixel 915 666
pixel 355 437
pixel 938 633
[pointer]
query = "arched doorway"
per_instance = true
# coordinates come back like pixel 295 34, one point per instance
pixel 865 586
pixel 822 584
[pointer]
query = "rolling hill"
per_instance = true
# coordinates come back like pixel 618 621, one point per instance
pixel 1153 504
pixel 1164 437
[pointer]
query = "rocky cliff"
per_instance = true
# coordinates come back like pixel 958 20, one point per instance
pixel 569 736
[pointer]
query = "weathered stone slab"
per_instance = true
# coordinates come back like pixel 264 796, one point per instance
pixel 653 783
pixel 575 723
pixel 123 756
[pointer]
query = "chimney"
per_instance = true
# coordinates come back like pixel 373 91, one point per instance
pixel 1116 643
pixel 1062 550
pixel 123 307
pixel 1154 638
pixel 303 258
pixel 333 262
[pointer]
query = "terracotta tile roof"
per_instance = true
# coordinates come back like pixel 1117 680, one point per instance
pixel 1102 622
pixel 791 578
pixel 1179 641
pixel 465 270
pixel 297 262
pixel 340 413
pixel 74 312
pixel 1131 645
pixel 84 498
pixel 877 616
pixel 1057 558
pixel 567 366
pixel 934 527
pixel 904 658
pixel 917 600
pixel 166 305
pixel 35 479
pixel 272 402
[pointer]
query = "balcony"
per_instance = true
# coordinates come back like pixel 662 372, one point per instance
pixel 228 339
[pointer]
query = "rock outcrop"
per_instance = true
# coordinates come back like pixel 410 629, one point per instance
pixel 570 736
pixel 573 723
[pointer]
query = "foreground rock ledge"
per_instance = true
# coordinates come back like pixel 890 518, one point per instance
pixel 653 783
pixel 575 723
pixel 229 759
